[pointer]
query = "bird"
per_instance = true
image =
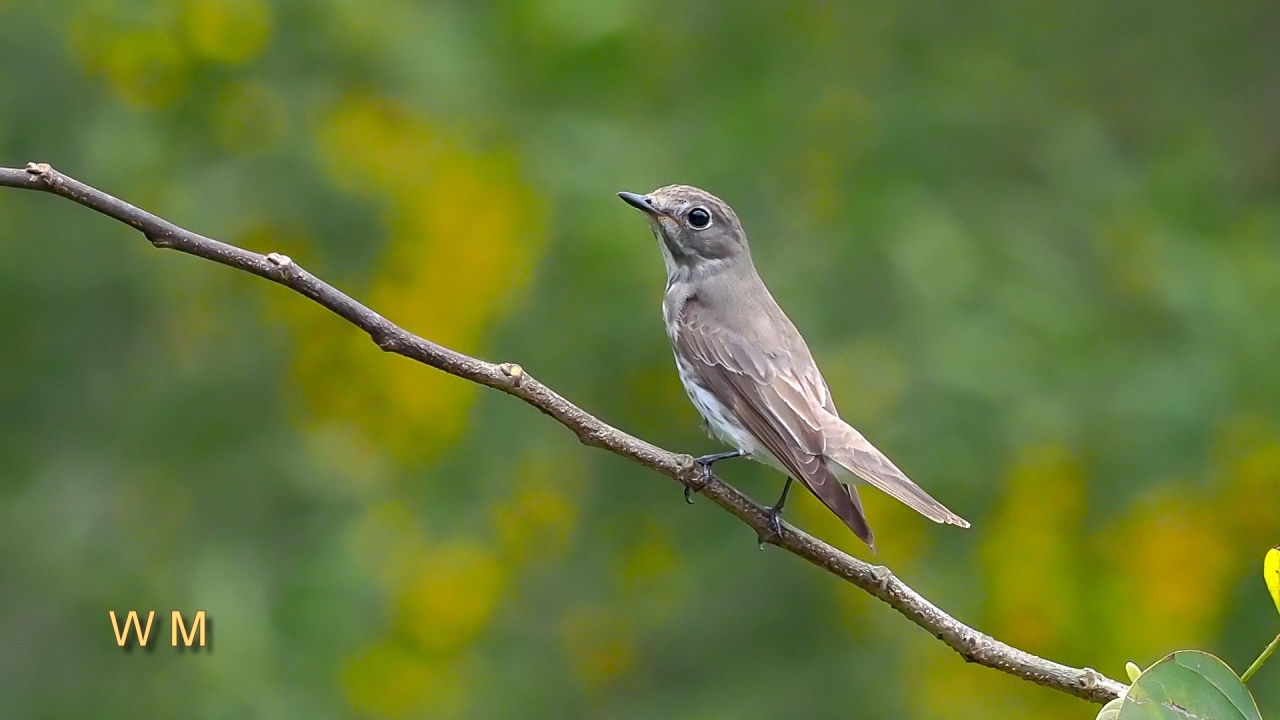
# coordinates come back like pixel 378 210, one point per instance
pixel 749 373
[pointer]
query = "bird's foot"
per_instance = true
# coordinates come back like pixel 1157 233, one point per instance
pixel 705 462
pixel 773 516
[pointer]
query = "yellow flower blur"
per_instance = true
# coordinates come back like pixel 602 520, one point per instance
pixel 1271 572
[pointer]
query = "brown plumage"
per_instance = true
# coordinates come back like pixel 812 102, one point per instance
pixel 747 369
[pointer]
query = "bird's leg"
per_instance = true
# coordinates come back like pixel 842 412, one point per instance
pixel 706 461
pixel 774 514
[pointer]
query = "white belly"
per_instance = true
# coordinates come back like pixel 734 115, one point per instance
pixel 721 420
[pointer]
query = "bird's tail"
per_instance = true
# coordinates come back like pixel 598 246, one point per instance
pixel 841 499
pixel 850 450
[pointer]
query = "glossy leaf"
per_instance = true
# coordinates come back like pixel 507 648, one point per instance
pixel 1111 711
pixel 1188 684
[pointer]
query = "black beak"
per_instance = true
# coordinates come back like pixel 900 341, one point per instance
pixel 640 202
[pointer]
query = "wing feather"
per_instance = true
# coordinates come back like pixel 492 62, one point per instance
pixel 785 403
pixel 765 394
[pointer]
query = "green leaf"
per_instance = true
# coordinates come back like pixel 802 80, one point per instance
pixel 1111 711
pixel 1185 685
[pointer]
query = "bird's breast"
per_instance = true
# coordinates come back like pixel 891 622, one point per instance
pixel 673 305
pixel 721 421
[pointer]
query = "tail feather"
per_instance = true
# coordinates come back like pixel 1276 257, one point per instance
pixel 851 451
pixel 860 526
pixel 838 497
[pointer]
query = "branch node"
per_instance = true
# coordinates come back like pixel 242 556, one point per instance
pixel 684 464
pixel 279 260
pixel 1090 678
pixel 39 169
pixel 386 340
pixel 690 473
pixel 590 438
pixel 981 650
pixel 515 372
pixel 159 240
pixel 883 576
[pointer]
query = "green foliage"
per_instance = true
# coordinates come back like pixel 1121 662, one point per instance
pixel 1185 684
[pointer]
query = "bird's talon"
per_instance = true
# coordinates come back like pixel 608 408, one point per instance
pixel 706 469
pixel 775 520
pixel 691 488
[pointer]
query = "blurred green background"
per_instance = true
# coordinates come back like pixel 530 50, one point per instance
pixel 1034 245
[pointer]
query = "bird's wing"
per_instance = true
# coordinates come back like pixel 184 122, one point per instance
pixel 779 406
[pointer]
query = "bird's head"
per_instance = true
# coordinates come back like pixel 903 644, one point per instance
pixel 693 226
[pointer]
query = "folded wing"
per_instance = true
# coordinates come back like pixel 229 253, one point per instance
pixel 784 402
pixel 763 391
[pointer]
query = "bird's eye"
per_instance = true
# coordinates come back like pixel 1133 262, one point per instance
pixel 699 218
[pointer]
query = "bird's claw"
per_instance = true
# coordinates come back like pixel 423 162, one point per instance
pixel 773 516
pixel 691 488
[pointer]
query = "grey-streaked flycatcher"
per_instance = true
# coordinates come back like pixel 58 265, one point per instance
pixel 748 371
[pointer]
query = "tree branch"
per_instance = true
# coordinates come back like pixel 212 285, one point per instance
pixel 877 580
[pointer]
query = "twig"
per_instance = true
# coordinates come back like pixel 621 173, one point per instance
pixel 1266 653
pixel 877 580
